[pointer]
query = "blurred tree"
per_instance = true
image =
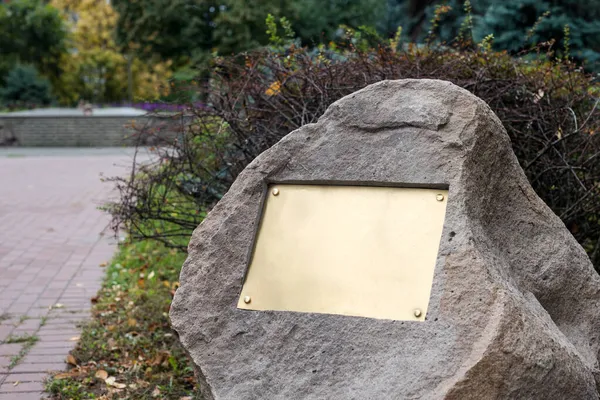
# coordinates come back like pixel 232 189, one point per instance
pixel 25 88
pixel 179 30
pixel 190 30
pixel 516 24
pixel 318 21
pixel 31 32
pixel 96 69
pixel 241 23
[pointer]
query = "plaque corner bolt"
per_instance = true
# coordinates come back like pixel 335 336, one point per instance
pixel 247 299
pixel 440 197
pixel 275 192
pixel 418 312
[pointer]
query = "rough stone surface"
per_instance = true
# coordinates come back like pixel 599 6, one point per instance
pixel 514 309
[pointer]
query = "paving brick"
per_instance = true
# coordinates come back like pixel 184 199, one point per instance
pixel 39 367
pixel 64 344
pixel 29 324
pixel 5 331
pixel 67 330
pixel 23 396
pixel 43 359
pixel 8 387
pixel 60 337
pixel 10 349
pixel 62 351
pixel 25 377
pixel 50 249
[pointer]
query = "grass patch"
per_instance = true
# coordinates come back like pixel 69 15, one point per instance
pixel 24 338
pixel 29 341
pixel 128 350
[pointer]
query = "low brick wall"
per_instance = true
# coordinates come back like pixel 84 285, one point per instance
pixel 82 131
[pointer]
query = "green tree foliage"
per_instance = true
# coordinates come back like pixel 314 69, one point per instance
pixel 517 25
pixel 241 24
pixel 25 88
pixel 31 32
pixel 185 30
pixel 180 30
pixel 316 21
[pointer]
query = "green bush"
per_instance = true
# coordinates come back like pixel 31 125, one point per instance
pixel 24 88
pixel 548 106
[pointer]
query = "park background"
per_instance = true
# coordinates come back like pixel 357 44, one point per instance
pixel 239 75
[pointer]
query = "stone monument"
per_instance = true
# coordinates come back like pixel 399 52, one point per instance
pixel 392 250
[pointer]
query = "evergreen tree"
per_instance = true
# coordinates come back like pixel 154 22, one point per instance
pixel 25 88
pixel 515 24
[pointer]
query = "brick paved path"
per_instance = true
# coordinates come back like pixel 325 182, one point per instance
pixel 50 252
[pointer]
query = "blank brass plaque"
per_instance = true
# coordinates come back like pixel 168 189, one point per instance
pixel 349 250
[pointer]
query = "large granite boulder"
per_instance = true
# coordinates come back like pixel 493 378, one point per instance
pixel 514 311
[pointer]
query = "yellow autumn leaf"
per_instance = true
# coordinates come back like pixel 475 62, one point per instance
pixel 274 89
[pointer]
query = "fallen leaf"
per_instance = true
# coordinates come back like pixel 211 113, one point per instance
pixel 71 360
pixel 160 358
pixel 101 374
pixel 63 375
pixel 74 338
pixel 151 275
pixel 16 383
pixel 103 264
pixel 156 392
pixel 112 381
pixel 142 383
pixel 132 322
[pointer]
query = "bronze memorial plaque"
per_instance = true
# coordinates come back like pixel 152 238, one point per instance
pixel 351 250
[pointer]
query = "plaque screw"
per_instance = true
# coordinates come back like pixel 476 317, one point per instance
pixel 418 312
pixel 247 299
pixel 440 197
pixel 275 192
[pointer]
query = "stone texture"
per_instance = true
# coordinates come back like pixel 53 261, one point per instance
pixel 514 308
